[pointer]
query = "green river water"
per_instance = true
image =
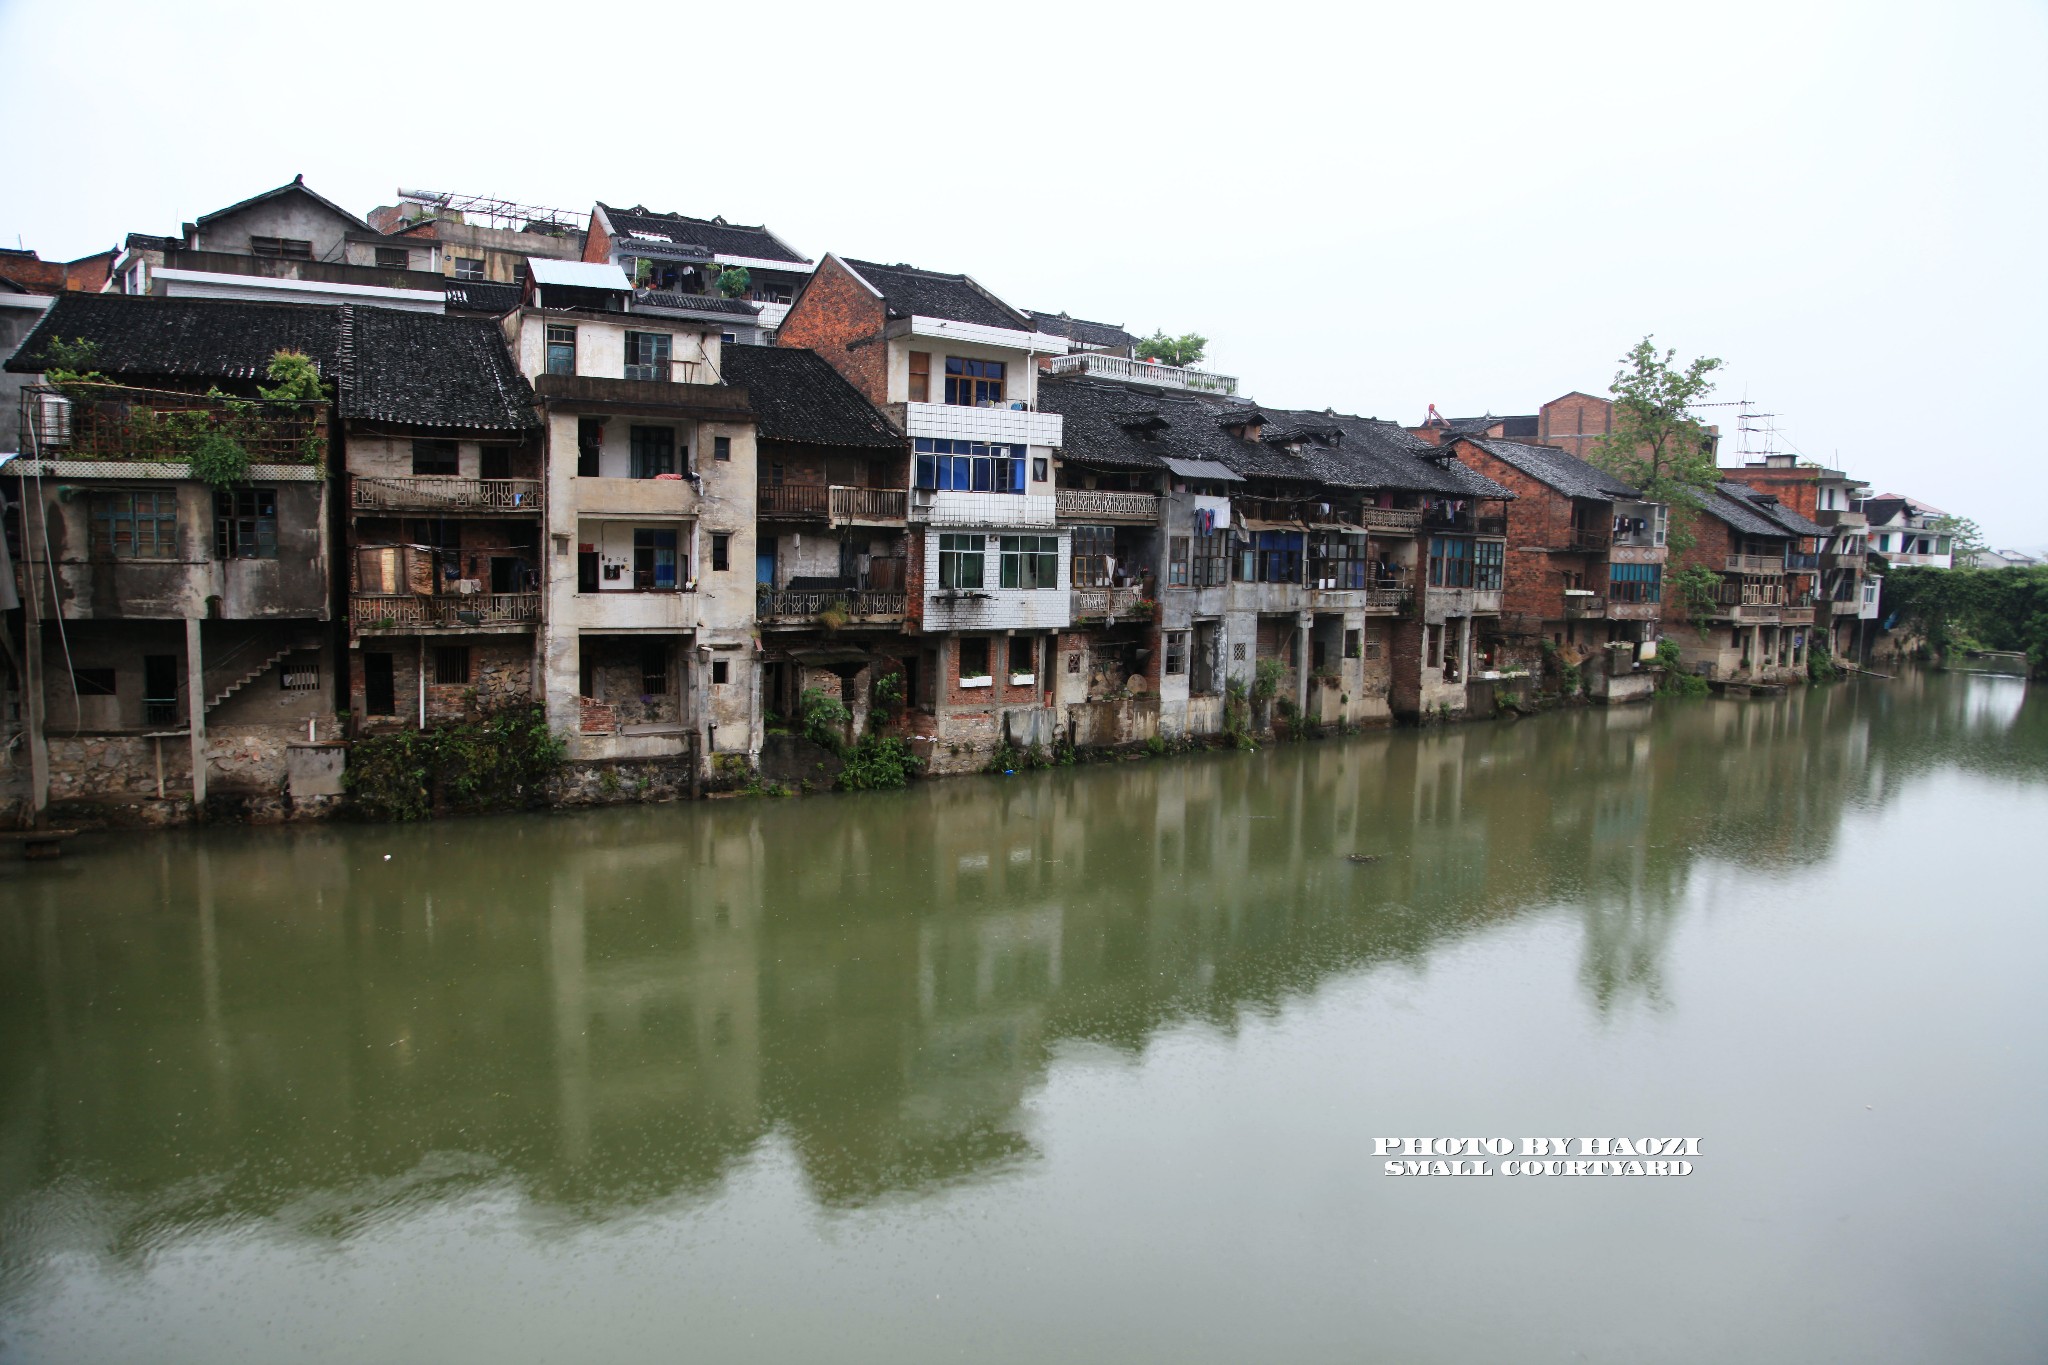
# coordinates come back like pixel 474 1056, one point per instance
pixel 1081 1066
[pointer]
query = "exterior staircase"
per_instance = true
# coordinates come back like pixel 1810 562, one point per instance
pixel 241 671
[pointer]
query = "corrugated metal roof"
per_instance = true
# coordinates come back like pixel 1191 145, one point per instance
pixel 1202 469
pixel 578 274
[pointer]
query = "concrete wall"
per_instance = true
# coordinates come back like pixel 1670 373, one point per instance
pixel 293 584
pixel 288 215
pixel 19 313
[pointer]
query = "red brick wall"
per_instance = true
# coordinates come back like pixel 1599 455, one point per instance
pixel 1798 489
pixel 597 243
pixel 1710 549
pixel 840 318
pixel 1562 421
pixel 1532 584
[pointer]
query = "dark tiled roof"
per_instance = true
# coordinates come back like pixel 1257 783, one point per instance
pixel 1080 330
pixel 1788 520
pixel 1741 514
pixel 417 369
pixel 481 297
pixel 1568 474
pixel 714 234
pixel 796 396
pixel 695 303
pixel 1880 511
pixel 140 337
pixel 428 369
pixel 1105 426
pixel 296 185
pixel 910 292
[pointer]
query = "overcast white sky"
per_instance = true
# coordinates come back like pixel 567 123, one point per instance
pixel 1368 208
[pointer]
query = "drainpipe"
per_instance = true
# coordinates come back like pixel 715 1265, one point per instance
pixel 422 671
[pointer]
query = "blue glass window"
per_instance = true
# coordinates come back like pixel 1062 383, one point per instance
pixel 970 466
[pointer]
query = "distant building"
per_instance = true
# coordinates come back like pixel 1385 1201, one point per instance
pixel 672 254
pixel 1907 532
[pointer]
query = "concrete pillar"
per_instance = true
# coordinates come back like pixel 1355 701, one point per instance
pixel 195 698
pixel 1304 649
pixel 1464 649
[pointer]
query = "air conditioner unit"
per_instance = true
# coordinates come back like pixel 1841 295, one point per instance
pixel 52 420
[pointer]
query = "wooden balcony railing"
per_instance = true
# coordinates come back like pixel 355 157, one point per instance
pixel 442 492
pixel 835 503
pixel 1594 540
pixel 1764 565
pixel 805 501
pixel 1104 504
pixel 1390 518
pixel 413 612
pixel 870 506
pixel 1095 604
pixel 808 604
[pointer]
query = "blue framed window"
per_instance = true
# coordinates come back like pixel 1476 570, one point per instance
pixel 969 466
pixel 1635 582
pixel 1270 557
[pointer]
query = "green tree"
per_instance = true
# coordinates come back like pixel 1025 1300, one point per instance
pixel 1657 444
pixel 734 281
pixel 1966 540
pixel 1181 350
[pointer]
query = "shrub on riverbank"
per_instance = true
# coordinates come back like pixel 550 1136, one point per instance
pixel 500 761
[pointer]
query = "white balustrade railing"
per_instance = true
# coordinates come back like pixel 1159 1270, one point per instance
pixel 1100 366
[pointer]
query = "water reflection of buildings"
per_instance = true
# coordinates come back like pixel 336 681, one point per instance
pixel 612 1009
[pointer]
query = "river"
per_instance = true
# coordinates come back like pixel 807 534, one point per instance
pixel 1084 1065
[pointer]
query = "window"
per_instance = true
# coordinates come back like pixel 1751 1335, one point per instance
pixel 1269 557
pixel 469 267
pixel 971 383
pixel 1094 553
pixel 1450 563
pixel 494 462
pixel 380 692
pixel 561 349
pixel 721 672
pixel 1023 661
pixel 1372 649
pixel 1352 640
pixel 974 663
pixel 920 376
pixel 1487 564
pixel 1176 651
pixel 589 446
pixel 299 676
pixel 93 682
pixel 1176 561
pixel 654 668
pixel 1340 562
pixel 960 560
pixel 654 559
pixel 721 552
pixel 435 457
pixel 393 258
pixel 1211 559
pixel 1041 469
pixel 296 248
pixel 654 451
pixel 1030 561
pixel 1635 582
pixel 245 523
pixel 969 466
pixel 451 665
pixel 721 448
pixel 1237 652
pixel 160 688
pixel 647 355
pixel 135 524
pixel 767 291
